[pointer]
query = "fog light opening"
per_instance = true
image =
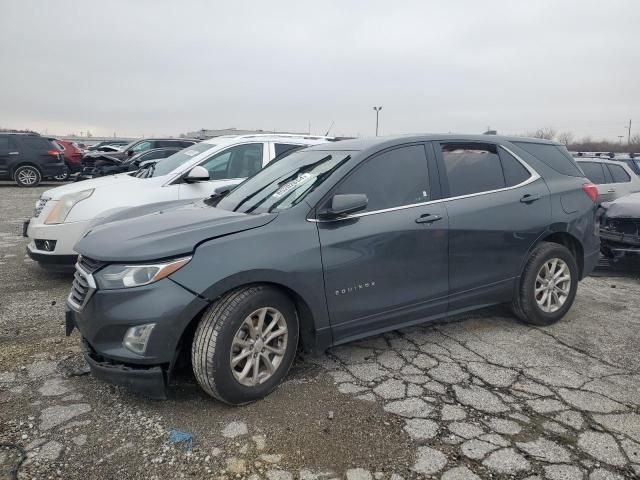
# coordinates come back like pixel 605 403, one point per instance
pixel 136 338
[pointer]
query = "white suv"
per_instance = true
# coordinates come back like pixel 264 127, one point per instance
pixel 614 179
pixel 62 214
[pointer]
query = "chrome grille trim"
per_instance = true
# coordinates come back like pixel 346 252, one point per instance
pixel 82 288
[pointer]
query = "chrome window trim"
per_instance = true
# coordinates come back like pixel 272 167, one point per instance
pixel 532 178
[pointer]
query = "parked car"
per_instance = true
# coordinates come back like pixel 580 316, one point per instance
pixel 107 166
pixel 620 227
pixel 28 158
pixel 631 162
pixel 139 146
pixel 614 179
pixel 62 214
pixel 108 143
pixel 328 245
pixel 72 157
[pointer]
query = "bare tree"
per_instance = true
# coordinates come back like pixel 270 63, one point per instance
pixel 547 133
pixel 565 138
pixel 635 139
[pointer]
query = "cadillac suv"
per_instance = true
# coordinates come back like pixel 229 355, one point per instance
pixel 330 244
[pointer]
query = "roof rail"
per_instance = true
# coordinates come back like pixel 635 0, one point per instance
pixel 283 135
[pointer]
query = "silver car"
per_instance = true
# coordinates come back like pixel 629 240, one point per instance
pixel 613 179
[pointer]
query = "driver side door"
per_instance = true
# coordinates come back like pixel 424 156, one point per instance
pixel 228 167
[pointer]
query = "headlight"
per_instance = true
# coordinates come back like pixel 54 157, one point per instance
pixel 64 205
pixel 125 276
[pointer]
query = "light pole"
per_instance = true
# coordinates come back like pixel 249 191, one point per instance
pixel 377 109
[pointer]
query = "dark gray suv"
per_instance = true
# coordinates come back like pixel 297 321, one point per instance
pixel 328 245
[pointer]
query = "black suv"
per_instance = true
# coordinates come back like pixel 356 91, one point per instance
pixel 27 158
pixel 330 244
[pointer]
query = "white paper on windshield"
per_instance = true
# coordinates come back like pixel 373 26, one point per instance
pixel 287 187
pixel 191 153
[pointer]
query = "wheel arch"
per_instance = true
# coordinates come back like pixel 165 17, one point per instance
pixel 569 241
pixel 24 164
pixel 311 338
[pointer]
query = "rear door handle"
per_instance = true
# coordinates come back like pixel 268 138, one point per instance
pixel 530 198
pixel 426 218
pixel 611 190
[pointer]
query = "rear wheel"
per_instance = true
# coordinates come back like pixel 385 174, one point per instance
pixel 245 344
pixel 547 286
pixel 27 176
pixel 63 176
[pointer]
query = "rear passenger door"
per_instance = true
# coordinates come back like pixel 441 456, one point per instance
pixel 497 207
pixel 623 181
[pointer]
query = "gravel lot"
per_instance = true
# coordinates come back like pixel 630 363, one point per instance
pixel 481 396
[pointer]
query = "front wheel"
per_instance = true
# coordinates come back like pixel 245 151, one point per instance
pixel 27 176
pixel 245 344
pixel 548 285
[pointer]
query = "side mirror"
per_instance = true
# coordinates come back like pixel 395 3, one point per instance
pixel 197 174
pixel 130 153
pixel 342 205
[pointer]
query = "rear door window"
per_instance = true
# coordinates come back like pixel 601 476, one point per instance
pixel 4 143
pixel 618 174
pixel 594 172
pixel 557 157
pixel 472 168
pixel 391 179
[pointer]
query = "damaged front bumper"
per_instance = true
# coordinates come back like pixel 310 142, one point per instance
pixel 150 381
pixel 616 244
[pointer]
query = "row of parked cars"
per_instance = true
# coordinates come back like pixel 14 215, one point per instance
pixel 618 182
pixel 28 158
pixel 233 253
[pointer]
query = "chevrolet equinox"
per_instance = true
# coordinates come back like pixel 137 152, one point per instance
pixel 331 244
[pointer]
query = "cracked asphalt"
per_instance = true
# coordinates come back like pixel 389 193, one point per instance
pixel 480 396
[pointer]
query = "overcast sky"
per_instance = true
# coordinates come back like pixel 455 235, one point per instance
pixel 167 67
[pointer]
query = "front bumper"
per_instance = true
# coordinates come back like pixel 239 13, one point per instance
pixel 108 314
pixel 615 244
pixel 65 235
pixel 150 381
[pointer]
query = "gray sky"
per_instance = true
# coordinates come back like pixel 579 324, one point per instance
pixel 158 67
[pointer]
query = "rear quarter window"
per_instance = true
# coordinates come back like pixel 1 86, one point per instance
pixel 36 143
pixel 555 156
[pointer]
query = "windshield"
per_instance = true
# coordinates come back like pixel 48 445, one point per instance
pixel 169 164
pixel 284 183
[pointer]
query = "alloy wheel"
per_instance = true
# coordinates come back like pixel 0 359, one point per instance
pixel 258 347
pixel 27 176
pixel 553 284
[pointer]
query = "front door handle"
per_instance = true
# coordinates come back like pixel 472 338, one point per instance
pixel 611 190
pixel 426 218
pixel 530 198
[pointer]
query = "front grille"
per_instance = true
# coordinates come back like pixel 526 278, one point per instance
pixel 83 284
pixel 628 226
pixel 39 206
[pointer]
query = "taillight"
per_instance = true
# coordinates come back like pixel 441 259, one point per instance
pixel 591 190
pixel 53 153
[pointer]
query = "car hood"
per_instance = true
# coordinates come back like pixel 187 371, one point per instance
pixel 162 230
pixel 627 206
pixel 56 193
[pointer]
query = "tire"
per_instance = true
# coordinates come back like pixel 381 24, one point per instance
pixel 226 322
pixel 27 176
pixel 63 177
pixel 531 305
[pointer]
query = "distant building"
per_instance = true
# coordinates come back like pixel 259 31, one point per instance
pixel 206 133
